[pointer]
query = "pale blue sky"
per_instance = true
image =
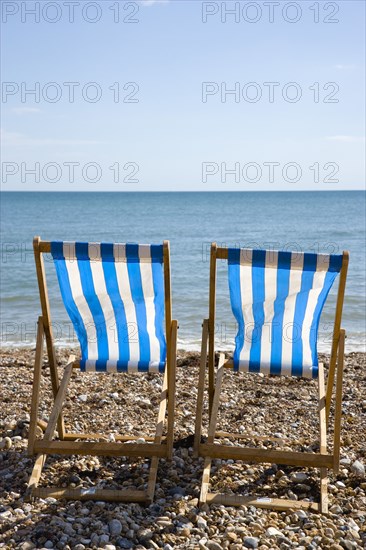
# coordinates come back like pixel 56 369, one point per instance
pixel 168 138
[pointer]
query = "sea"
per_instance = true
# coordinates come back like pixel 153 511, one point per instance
pixel 327 222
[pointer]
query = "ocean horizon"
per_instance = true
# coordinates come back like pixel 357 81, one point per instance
pixel 321 221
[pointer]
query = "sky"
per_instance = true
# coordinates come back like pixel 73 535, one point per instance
pixel 184 95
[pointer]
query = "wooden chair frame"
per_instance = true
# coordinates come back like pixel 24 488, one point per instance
pixel 74 443
pixel 209 450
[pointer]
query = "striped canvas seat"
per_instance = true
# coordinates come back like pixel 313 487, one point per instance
pixel 277 299
pixel 114 295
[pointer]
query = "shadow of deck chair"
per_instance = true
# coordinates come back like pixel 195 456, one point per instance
pixel 270 292
pixel 106 289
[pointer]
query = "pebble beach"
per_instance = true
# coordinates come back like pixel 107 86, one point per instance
pixel 251 404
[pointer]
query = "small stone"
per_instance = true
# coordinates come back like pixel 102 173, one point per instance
pixel 300 477
pixel 273 532
pixel 358 469
pixel 109 547
pixel 251 542
pixel 48 544
pixel 115 527
pixel 6 515
pixel 145 534
pixel 27 545
pixel 213 545
pixel 335 509
pixel 79 547
pixel 124 543
pixel 301 514
pixel 177 491
pixel 103 539
pixel 340 485
pixel 6 443
pixel 201 523
pixel 83 398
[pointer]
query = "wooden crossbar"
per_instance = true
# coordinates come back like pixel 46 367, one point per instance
pixel 261 502
pixel 74 436
pixel 294 458
pixel 100 449
pixel 112 495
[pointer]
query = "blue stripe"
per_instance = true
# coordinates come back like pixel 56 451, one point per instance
pixel 121 329
pixel 335 263
pixel 122 366
pixel 283 281
pixel 328 282
pixel 86 277
pixel 157 253
pixel 307 278
pixel 258 297
pixel 134 274
pixel 65 287
pixel 235 299
pixel 158 283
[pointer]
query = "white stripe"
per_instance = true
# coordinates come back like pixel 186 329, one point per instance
pixel 96 267
pixel 154 366
pixel 79 299
pixel 148 291
pixel 119 252
pixel 111 366
pixel 318 283
pixel 126 297
pixel 270 294
pixel 132 367
pixel 90 366
pixel 247 308
pixel 288 317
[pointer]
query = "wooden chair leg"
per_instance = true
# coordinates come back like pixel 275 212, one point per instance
pixel 338 403
pixel 158 436
pixel 51 426
pixel 205 480
pixel 323 441
pixel 171 387
pixel 36 386
pixel 201 387
pixel 212 429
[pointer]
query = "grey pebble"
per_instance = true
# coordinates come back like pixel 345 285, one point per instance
pixel 213 545
pixel 201 523
pixel 124 543
pixel 115 527
pixel 358 469
pixel 251 542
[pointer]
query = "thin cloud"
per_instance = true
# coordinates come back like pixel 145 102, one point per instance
pixel 16 139
pixel 342 67
pixel 346 139
pixel 25 110
pixel 152 2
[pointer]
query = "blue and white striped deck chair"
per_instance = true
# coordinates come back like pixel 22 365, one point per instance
pixel 118 298
pixel 277 299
